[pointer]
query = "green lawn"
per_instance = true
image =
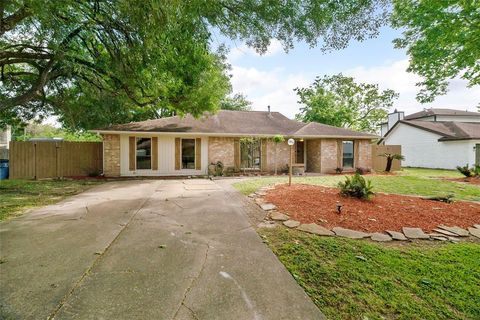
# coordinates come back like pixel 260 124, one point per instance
pixel 350 279
pixel 18 195
pixel 430 173
pixel 411 181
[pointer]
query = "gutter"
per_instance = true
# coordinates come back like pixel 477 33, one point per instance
pixel 204 134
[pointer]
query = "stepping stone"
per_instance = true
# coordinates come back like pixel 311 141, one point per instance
pixel 439 238
pixel 352 234
pixel 267 225
pixel 261 193
pixel 252 195
pixel 315 229
pixel 397 235
pixel 414 233
pixel 457 230
pixel 445 232
pixel 476 226
pixel 259 201
pixel 381 237
pixel 278 216
pixel 453 239
pixel 475 232
pixel 291 223
pixel 268 206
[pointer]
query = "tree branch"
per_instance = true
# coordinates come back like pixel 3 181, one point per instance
pixel 8 23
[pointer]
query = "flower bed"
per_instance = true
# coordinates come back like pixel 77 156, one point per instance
pixel 316 204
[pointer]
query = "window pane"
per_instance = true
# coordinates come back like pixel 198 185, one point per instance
pixel 250 153
pixel 188 153
pixel 144 153
pixel 348 154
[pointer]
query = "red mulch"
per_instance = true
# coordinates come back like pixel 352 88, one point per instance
pixel 471 180
pixel 308 204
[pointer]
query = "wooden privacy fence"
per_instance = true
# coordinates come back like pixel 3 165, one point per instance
pixel 54 159
pixel 379 163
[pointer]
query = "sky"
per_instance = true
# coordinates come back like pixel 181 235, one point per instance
pixel 269 79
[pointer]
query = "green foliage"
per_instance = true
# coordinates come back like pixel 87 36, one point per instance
pixel 47 131
pixel 339 101
pixel 357 187
pixel 278 138
pixel 469 171
pixel 410 281
pixel 238 102
pixel 442 40
pixel 86 58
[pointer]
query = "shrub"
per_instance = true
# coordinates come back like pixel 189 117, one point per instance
pixel 219 168
pixel 466 171
pixel 361 170
pixel 357 187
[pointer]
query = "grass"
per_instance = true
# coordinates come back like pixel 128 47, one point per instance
pixel 16 196
pixel 431 173
pixel 410 181
pixel 350 279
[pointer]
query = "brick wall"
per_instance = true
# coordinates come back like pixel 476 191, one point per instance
pixel 111 153
pixel 282 156
pixel 329 155
pixel 221 149
pixel 364 154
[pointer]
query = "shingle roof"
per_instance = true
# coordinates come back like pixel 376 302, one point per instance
pixel 449 130
pixel 238 123
pixel 440 112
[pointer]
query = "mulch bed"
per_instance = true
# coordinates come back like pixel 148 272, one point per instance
pixel 307 204
pixel 471 180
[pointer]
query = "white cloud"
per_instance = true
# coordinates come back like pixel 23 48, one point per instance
pixel 275 87
pixel 269 88
pixel 394 76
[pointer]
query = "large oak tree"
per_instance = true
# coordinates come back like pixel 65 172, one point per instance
pixel 75 57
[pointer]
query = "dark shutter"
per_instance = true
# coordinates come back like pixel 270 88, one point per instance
pixel 132 150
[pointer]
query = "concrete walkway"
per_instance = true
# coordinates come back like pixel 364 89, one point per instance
pixel 150 249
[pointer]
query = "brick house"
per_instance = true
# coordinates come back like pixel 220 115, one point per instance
pixel 241 140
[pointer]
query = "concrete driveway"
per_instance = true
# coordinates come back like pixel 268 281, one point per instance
pixel 149 249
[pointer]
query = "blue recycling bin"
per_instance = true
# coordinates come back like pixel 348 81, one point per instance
pixel 3 169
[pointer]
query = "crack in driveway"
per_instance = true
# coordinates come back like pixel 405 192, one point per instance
pixel 192 284
pixel 95 262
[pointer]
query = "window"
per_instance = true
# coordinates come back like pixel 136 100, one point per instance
pixel 144 153
pixel 188 153
pixel 250 153
pixel 348 154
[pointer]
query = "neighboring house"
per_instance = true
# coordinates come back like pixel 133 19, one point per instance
pixel 5 138
pixel 241 140
pixel 435 138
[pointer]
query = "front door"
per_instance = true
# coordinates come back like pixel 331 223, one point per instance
pixel 299 151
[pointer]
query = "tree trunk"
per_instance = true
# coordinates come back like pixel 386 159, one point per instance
pixel 389 164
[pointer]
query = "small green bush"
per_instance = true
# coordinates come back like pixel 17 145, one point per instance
pixel 469 172
pixel 356 187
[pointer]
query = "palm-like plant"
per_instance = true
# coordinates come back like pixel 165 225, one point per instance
pixel 390 157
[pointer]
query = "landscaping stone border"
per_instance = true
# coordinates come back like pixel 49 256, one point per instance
pixel 441 233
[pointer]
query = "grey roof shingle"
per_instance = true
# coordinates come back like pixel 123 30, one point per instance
pixel 440 112
pixel 238 122
pixel 449 130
